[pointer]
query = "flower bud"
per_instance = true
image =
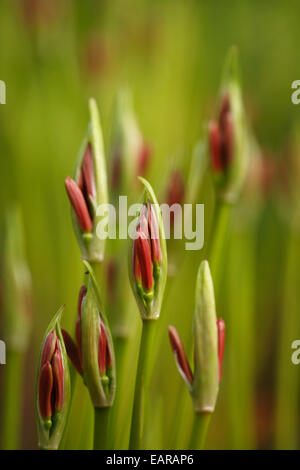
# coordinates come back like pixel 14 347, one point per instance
pixel 228 136
pixel 148 257
pixel 88 189
pixel 180 357
pixel 52 387
pixel 209 339
pixel 95 346
pixel 206 373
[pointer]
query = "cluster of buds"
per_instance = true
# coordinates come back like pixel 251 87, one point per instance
pixel 130 155
pixel 88 190
pixel 148 257
pixel 228 136
pixel 209 339
pixel 53 387
pixel 92 354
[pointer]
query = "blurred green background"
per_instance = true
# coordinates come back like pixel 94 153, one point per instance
pixel 54 55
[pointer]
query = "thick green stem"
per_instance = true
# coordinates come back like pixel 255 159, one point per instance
pixel 12 400
pixel 199 431
pixel 137 421
pixel 101 434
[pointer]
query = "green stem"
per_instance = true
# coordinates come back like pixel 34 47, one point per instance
pixel 199 431
pixel 137 421
pixel 217 240
pixel 12 402
pixel 117 417
pixel 288 383
pixel 101 434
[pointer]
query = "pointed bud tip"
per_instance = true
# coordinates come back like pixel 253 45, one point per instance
pixel 180 357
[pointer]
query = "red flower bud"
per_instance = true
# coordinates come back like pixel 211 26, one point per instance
pixel 45 390
pixel 58 378
pixel 82 294
pixel 79 205
pixel 221 344
pixel 51 377
pixel 49 348
pixel 87 174
pixel 221 138
pixel 215 146
pixel 72 351
pixel 143 253
pixel 180 356
pixel 102 350
pixel 154 235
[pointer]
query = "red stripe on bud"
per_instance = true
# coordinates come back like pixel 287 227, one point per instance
pixel 102 359
pixel 143 253
pixel 154 235
pixel 136 265
pixel 49 348
pixel 221 344
pixel 72 351
pixel 45 389
pixel 181 360
pixel 88 172
pixel 227 137
pixel 215 146
pixel 79 205
pixel 82 294
pixel 58 378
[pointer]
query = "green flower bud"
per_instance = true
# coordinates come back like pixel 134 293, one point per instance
pixel 228 136
pixel 206 372
pixel 97 352
pixel 209 341
pixel 52 387
pixel 148 257
pixel 89 189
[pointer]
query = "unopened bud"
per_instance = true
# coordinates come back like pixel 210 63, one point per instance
pixel 53 387
pixel 228 136
pixel 180 357
pixel 209 339
pixel 148 257
pixel 88 190
pixel 96 347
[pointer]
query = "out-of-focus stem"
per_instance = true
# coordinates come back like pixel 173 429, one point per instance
pixel 217 241
pixel 199 431
pixel 241 278
pixel 288 379
pixel 12 400
pixel 137 421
